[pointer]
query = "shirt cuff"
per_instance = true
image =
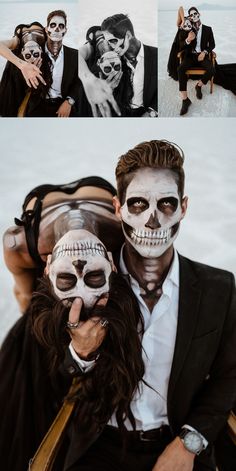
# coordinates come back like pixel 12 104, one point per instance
pixel 83 364
pixel 204 441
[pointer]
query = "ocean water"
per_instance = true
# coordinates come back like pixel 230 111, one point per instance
pixel 222 103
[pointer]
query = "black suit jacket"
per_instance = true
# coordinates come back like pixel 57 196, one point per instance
pixel 70 79
pixel 207 41
pixel 202 386
pixel 150 77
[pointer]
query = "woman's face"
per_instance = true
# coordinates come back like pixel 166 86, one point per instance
pixel 31 51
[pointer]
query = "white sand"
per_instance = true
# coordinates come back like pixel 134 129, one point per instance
pixel 70 149
pixel 222 102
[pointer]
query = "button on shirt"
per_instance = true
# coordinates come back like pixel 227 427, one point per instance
pixel 149 407
pixel 57 73
pixel 137 78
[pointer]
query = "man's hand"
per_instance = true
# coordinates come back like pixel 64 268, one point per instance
pixel 175 457
pixel 31 74
pixel 201 56
pixel 89 335
pixel 64 110
pixel 100 97
pixel 191 36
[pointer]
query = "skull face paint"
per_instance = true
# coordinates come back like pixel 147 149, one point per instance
pixel 119 45
pixel 109 63
pixel 31 51
pixel 194 16
pixel 187 26
pixel 152 211
pixel 80 267
pixel 56 29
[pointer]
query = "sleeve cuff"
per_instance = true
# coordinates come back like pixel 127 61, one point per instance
pixel 83 364
pixel 205 442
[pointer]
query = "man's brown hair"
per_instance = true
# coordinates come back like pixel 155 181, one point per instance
pixel 56 13
pixel 154 154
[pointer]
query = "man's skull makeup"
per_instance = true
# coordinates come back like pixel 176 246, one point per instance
pixel 152 211
pixel 56 29
pixel 187 26
pixel 119 45
pixel 80 267
pixel 31 51
pixel 194 16
pixel 109 63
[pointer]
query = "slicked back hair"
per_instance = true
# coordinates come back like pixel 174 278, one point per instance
pixel 160 154
pixel 56 13
pixel 193 8
pixel 118 25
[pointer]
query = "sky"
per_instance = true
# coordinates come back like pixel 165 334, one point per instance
pixel 174 4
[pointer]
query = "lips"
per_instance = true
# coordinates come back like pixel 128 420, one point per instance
pixel 150 238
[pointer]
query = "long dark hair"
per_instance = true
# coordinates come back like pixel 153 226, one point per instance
pixel 110 386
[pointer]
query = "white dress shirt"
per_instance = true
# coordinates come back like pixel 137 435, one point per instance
pixel 137 78
pixel 57 73
pixel 199 37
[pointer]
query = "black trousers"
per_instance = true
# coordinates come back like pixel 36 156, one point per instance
pixel 46 108
pixel 108 453
pixel 192 61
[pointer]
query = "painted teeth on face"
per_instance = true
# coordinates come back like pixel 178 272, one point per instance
pixel 151 237
pixel 80 249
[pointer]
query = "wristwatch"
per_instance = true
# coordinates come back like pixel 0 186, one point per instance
pixel 70 100
pixel 192 440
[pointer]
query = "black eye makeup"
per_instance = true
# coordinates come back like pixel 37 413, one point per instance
pixel 137 205
pixel 95 279
pixel 167 205
pixel 65 281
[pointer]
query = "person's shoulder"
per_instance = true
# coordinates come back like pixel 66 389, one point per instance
pixel 206 272
pixel 152 49
pixel 206 27
pixel 70 50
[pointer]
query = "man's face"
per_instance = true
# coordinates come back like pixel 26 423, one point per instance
pixel 152 211
pixel 119 45
pixel 79 267
pixel 194 16
pixel 56 29
pixel 31 51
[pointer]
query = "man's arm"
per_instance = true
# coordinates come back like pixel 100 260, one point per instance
pixel 98 91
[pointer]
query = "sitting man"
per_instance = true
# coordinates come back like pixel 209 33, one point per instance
pixel 197 46
pixel 64 90
pixel 142 63
pixel 189 329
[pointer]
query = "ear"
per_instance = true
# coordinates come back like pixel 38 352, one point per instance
pixel 184 205
pixel 117 206
pixel 129 34
pixel 111 262
pixel 46 269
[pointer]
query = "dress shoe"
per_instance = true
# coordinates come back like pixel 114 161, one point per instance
pixel 185 106
pixel 198 92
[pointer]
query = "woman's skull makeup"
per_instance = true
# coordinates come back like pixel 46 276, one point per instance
pixel 80 267
pixel 152 211
pixel 194 16
pixel 56 29
pixel 187 25
pixel 31 51
pixel 109 63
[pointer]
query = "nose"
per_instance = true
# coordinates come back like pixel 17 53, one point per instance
pixel 57 29
pixel 153 221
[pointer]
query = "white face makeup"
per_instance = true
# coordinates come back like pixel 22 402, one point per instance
pixel 80 267
pixel 187 26
pixel 109 63
pixel 31 51
pixel 152 211
pixel 194 16
pixel 119 45
pixel 56 29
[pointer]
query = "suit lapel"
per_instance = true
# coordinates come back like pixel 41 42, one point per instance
pixel 203 37
pixel 189 299
pixel 65 68
pixel 147 66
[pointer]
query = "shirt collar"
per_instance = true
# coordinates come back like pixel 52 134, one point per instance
pixel 61 53
pixel 139 56
pixel 172 275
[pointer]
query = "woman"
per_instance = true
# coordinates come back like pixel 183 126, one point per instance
pixel 25 51
pixel 35 364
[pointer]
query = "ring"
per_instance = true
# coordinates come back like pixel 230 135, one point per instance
pixel 104 322
pixel 73 325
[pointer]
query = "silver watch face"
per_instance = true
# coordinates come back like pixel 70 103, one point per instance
pixel 193 442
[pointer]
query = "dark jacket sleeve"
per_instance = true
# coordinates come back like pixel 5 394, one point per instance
pixel 70 80
pixel 210 43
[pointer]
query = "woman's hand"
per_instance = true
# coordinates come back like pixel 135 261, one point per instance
pixel 31 73
pixel 88 335
pixel 100 97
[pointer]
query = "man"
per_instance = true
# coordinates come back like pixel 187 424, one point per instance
pixel 197 46
pixel 64 90
pixel 189 330
pixel 141 60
